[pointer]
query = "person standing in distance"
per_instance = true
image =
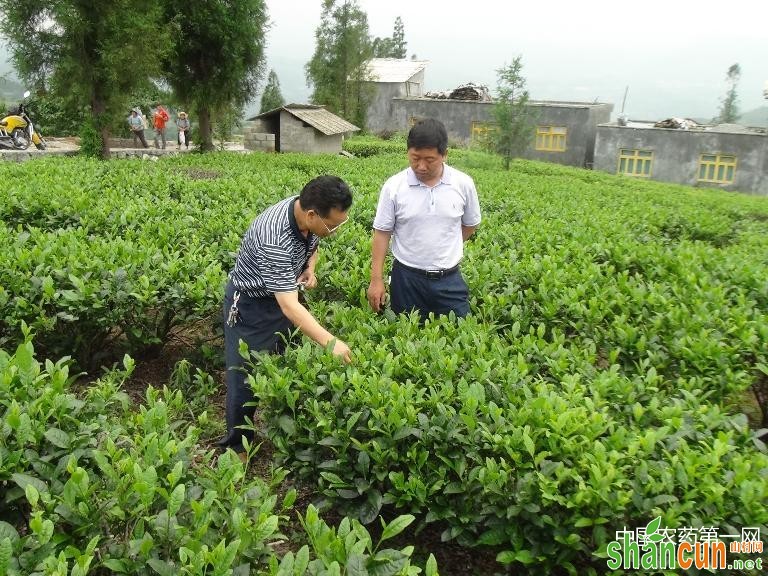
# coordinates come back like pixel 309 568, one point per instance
pixel 277 256
pixel 428 211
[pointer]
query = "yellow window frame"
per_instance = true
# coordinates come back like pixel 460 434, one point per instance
pixel 551 138
pixel 717 168
pixel 635 162
pixel 480 130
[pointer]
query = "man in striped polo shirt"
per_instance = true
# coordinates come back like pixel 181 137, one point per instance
pixel 428 211
pixel 277 256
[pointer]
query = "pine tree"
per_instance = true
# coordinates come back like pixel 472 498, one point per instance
pixel 337 71
pixel 398 39
pixel 729 109
pixel 393 47
pixel 272 97
pixel 514 118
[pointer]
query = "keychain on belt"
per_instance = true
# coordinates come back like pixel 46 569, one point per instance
pixel 232 318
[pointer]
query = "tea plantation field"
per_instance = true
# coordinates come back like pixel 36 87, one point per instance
pixel 618 331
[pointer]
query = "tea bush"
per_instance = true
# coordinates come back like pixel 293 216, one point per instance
pixel 91 485
pixel 615 322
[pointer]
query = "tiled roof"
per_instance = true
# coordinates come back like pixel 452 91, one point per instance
pixel 316 116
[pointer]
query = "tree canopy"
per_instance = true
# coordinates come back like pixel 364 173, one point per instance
pixel 514 119
pixel 393 47
pixel 337 71
pixel 729 107
pixel 271 98
pixel 217 58
pixel 94 53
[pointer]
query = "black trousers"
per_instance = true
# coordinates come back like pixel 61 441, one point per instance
pixel 263 327
pixel 412 290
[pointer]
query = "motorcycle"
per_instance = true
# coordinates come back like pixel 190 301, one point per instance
pixel 17 130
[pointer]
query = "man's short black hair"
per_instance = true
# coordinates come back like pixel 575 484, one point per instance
pixel 429 133
pixel 325 193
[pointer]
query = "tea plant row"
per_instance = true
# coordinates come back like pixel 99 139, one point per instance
pixel 92 486
pixel 614 322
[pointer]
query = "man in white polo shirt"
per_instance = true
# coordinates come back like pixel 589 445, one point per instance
pixel 428 211
pixel 277 257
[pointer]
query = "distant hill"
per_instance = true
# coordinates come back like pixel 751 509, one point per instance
pixel 756 117
pixel 10 90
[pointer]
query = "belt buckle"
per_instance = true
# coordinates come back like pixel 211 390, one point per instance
pixel 435 274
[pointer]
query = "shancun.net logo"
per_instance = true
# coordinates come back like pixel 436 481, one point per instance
pixel 657 548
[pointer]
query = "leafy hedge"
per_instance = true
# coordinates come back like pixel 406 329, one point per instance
pixel 615 322
pixel 457 423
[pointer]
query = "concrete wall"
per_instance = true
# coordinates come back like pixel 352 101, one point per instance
pixel 295 136
pixel 286 133
pixel 256 138
pixel 379 116
pixel 676 154
pixel 458 116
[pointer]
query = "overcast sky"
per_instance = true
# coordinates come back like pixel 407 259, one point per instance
pixel 673 55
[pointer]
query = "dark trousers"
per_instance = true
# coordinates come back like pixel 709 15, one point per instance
pixel 139 135
pixel 160 135
pixel 411 290
pixel 263 327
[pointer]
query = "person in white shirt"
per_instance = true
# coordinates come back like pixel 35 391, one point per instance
pixel 427 211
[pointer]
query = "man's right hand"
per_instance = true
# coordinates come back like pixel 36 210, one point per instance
pixel 377 294
pixel 340 348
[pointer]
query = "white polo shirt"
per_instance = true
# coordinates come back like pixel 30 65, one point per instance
pixel 426 222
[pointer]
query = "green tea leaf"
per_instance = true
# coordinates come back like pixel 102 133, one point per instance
pixel 396 526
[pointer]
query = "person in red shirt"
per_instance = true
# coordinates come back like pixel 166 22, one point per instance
pixel 159 118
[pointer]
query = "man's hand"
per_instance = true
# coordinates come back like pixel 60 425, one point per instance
pixel 377 294
pixel 307 278
pixel 340 348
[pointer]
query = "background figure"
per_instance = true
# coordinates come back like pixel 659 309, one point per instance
pixel 159 119
pixel 182 123
pixel 136 124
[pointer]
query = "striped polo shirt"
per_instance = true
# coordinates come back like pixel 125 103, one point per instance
pixel 273 252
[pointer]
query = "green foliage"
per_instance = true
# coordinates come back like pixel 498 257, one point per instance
pixel 337 71
pixel 365 146
pixel 88 54
pixel 90 139
pixel 55 115
pixel 87 472
pixel 272 97
pixel 514 121
pixel 225 121
pixel 350 550
pixel 217 57
pixel 394 47
pixel 729 107
pixel 613 322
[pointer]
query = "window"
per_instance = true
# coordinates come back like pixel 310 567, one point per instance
pixel 551 138
pixel 718 168
pixel 635 162
pixel 480 130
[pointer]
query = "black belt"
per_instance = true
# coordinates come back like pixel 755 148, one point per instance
pixel 433 274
